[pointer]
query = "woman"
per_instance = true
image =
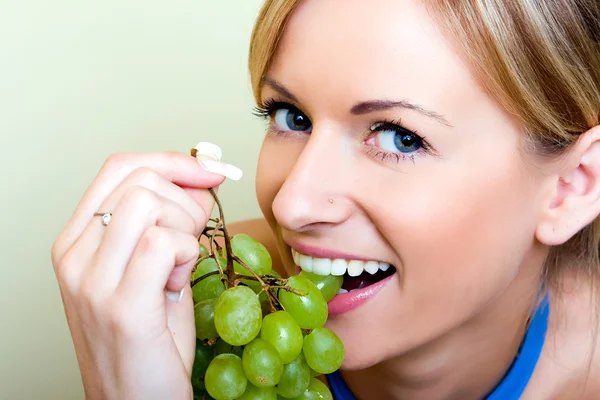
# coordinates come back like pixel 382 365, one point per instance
pixel 456 141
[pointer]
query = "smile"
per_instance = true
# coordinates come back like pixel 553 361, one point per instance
pixel 363 279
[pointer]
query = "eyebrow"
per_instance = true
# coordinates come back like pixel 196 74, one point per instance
pixel 279 88
pixel 366 107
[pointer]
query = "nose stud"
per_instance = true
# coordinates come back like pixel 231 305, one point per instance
pixel 330 200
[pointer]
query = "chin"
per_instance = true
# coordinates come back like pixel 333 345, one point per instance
pixel 357 362
pixel 360 353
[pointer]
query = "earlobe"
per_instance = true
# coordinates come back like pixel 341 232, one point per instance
pixel 576 198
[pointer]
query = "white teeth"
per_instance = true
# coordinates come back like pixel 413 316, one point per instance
pixel 371 267
pixel 305 262
pixel 342 291
pixel 338 267
pixel 296 256
pixel 355 267
pixel 321 266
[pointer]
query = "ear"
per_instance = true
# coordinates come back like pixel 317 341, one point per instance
pixel 576 197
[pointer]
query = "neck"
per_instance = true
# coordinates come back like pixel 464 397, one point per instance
pixel 466 363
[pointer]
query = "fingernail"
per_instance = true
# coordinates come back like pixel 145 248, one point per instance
pixel 208 151
pixel 209 157
pixel 175 296
pixel 220 168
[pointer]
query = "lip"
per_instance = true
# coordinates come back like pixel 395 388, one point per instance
pixel 324 253
pixel 344 303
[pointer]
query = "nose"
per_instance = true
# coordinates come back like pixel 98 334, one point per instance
pixel 316 192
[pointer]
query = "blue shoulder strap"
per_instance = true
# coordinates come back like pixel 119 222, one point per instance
pixel 338 387
pixel 516 379
pixel 514 383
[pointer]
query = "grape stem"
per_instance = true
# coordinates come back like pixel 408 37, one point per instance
pixel 212 251
pixel 201 259
pixel 230 272
pixel 207 231
pixel 290 289
pixel 265 288
pixel 269 283
pixel 254 274
pixel 198 280
pixel 271 296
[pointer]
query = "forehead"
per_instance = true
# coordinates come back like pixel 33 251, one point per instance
pixel 356 49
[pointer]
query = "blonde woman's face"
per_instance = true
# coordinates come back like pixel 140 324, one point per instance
pixel 382 146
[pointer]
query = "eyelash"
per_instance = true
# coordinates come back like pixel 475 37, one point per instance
pixel 267 108
pixel 397 126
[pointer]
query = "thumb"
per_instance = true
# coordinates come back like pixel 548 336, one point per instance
pixel 180 320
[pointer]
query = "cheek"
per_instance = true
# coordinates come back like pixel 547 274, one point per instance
pixel 272 170
pixel 462 235
pixel 275 162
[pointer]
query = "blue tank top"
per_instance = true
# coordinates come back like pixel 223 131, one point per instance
pixel 512 386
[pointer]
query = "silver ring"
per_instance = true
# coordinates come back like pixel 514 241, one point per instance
pixel 106 217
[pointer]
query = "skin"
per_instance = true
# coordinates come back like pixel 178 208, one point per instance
pixel 467 225
pixel 487 219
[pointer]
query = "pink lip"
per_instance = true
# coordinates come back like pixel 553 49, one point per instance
pixel 324 253
pixel 344 303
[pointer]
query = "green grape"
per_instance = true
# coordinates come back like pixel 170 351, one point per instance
pixel 255 393
pixel 314 374
pixel 252 253
pixel 222 347
pixel 295 378
pixel 329 285
pixel 210 287
pixel 282 331
pixel 238 316
pixel 203 251
pixel 257 288
pixel 309 309
pixel 204 316
pixel 324 351
pixel 225 379
pixel 204 355
pixel 317 390
pixel 262 363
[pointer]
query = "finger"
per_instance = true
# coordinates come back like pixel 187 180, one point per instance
pixel 153 181
pixel 180 169
pixel 164 257
pixel 180 320
pixel 89 241
pixel 139 210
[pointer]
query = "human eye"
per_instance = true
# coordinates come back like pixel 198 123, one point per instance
pixel 284 117
pixel 390 141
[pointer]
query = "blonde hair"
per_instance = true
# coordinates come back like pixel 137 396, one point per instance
pixel 539 59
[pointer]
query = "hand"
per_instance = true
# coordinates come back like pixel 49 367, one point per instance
pixel 131 341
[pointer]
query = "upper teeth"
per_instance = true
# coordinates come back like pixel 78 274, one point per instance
pixel 338 266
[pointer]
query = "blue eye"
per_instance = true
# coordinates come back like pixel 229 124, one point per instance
pixel 288 119
pixel 394 138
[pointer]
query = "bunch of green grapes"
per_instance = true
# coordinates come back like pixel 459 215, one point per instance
pixel 260 336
